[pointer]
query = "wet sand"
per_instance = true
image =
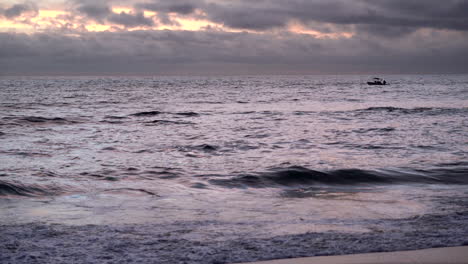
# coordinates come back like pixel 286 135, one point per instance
pixel 451 255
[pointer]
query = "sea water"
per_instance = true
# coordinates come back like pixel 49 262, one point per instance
pixel 233 157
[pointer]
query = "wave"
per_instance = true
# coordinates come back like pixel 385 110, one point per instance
pixel 17 189
pixel 155 113
pixel 131 190
pixel 40 120
pixel 115 117
pixel 167 122
pixel 374 129
pixel 188 114
pixel 300 176
pixel 147 113
pixel 202 147
pixel 416 110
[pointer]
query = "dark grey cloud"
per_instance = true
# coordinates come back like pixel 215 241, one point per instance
pixel 244 16
pixel 183 7
pixel 179 52
pixel 19 9
pixel 94 10
pixel 385 31
pixel 130 20
pixel 266 14
pixel 102 12
pixel 164 8
pixel 387 39
pixel 450 14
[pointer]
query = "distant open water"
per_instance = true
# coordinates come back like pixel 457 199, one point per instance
pixel 280 154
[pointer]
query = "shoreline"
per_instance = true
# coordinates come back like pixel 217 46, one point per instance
pixel 191 242
pixel 446 255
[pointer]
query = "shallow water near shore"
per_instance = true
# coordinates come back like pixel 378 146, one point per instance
pixel 235 157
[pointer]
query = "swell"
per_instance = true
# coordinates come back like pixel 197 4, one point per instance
pixel 416 110
pixel 40 120
pixel 155 113
pixel 300 176
pixel 17 189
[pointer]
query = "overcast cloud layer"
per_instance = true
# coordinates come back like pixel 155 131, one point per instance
pixel 256 37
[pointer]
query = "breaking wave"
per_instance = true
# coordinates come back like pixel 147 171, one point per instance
pixel 16 189
pixel 300 176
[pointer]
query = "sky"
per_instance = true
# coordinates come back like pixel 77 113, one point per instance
pixel 202 37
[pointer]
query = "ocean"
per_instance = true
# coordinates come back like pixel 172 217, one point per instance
pixel 231 168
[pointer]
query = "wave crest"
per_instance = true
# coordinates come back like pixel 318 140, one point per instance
pixel 416 110
pixel 17 189
pixel 300 176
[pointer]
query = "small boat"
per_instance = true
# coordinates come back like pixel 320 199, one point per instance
pixel 377 81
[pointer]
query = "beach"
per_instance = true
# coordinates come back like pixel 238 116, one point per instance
pixel 454 255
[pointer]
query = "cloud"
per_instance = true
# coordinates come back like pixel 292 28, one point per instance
pixel 178 52
pixel 102 13
pixel 381 36
pixel 130 20
pixel 450 14
pixel 268 14
pixel 244 16
pixel 183 7
pixel 385 31
pixel 19 9
pixel 94 10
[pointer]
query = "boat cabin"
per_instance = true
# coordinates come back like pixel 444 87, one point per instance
pixel 377 81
